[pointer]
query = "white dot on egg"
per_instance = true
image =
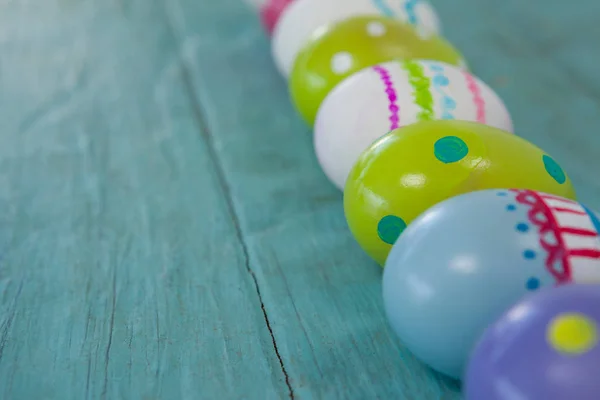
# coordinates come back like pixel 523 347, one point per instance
pixel 341 62
pixel 375 28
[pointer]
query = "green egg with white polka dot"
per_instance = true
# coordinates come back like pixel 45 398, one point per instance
pixel 413 168
pixel 335 52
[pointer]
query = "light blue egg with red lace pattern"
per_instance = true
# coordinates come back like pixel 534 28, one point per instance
pixel 465 261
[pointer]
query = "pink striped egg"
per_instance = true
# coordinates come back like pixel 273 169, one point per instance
pixel 390 95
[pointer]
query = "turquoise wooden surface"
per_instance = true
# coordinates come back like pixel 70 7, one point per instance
pixel 166 232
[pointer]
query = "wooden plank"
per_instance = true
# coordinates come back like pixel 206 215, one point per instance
pixel 321 293
pixel 122 275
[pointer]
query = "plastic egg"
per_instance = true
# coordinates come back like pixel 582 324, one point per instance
pixel 384 97
pixel 301 19
pixel 465 261
pixel 271 11
pixel 339 50
pixel 415 167
pixel 547 347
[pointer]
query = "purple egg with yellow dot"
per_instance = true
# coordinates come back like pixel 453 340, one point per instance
pixel 546 347
pixel 462 263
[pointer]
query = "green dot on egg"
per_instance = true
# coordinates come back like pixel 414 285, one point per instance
pixel 450 149
pixel 389 228
pixel 554 170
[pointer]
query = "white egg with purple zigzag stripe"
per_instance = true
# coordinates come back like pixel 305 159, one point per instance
pixel 303 18
pixel 376 100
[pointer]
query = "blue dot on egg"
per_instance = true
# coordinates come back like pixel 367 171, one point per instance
pixel 529 254
pixel 450 149
pixel 554 170
pixel 441 80
pixel 522 227
pixel 389 228
pixel 532 284
pixel 511 207
pixel 449 103
pixel 593 217
pixel 501 194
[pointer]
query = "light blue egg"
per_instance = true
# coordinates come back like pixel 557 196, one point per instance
pixel 462 263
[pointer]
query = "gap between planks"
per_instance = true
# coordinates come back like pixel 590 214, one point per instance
pixel 205 132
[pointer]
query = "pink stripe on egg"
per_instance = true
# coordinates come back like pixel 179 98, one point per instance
pixel 477 98
pixel 384 75
pixel 271 12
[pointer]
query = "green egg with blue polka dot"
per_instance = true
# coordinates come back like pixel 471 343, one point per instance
pixel 415 167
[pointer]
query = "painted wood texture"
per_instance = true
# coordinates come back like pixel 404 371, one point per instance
pixel 166 232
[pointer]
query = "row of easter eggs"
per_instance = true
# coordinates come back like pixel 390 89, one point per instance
pixel 346 80
pixel 462 251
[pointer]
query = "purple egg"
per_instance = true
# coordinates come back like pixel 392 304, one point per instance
pixel 546 347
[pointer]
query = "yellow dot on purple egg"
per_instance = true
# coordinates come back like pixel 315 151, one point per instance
pixel 572 333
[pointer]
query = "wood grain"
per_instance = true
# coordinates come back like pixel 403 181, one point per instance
pixel 166 231
pixel 123 276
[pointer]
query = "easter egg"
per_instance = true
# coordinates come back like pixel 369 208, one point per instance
pixel 415 167
pixel 386 96
pixel 271 11
pixel 465 261
pixel 304 17
pixel 339 50
pixel 546 347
